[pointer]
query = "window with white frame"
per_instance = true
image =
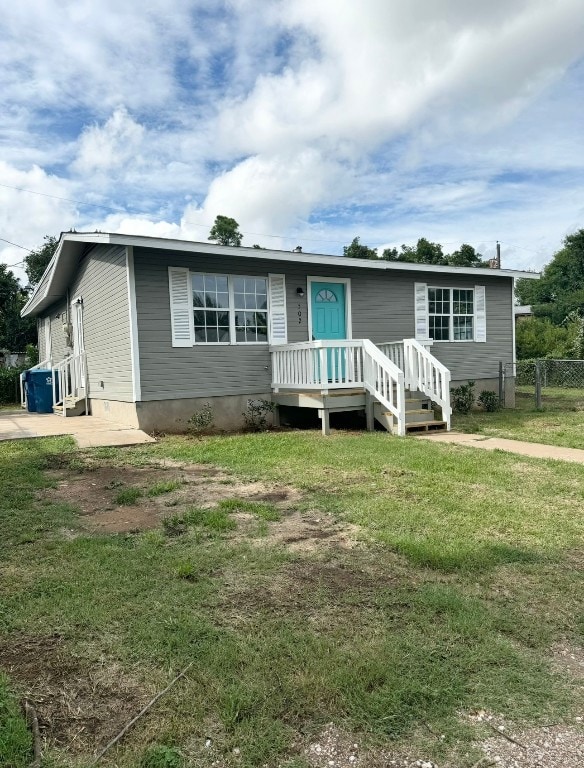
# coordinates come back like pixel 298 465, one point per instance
pixel 230 309
pixel 451 314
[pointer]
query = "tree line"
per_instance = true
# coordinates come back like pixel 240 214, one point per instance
pixel 556 329
pixel 424 252
pixel 17 332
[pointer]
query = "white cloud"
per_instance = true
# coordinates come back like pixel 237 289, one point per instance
pixel 26 218
pixel 109 147
pixel 323 118
pixel 268 194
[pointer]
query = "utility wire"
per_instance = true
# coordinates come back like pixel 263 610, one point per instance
pixel 206 225
pixel 194 224
pixel 15 244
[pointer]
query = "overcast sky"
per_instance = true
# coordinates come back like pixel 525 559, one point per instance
pixel 309 121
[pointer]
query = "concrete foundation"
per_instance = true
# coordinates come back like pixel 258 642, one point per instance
pixel 493 386
pixel 172 415
pixel 115 411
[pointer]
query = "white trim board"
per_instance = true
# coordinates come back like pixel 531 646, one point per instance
pixel 348 313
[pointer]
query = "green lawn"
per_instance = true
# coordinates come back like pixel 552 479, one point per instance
pixel 466 573
pixel 559 422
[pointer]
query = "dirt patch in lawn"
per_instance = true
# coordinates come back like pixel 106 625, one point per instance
pixel 95 491
pixel 302 531
pixel 80 706
pixel 569 659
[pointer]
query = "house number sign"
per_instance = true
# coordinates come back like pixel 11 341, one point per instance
pixel 299 314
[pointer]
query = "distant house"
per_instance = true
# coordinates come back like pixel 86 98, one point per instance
pixel 146 330
pixel 522 310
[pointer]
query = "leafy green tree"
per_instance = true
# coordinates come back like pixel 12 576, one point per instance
pixel 536 337
pixel 390 254
pixel 466 256
pixel 358 251
pixel 561 288
pixel 15 332
pixel 424 252
pixel 37 261
pixel 225 231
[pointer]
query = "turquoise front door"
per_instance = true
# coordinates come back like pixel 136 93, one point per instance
pixel 328 309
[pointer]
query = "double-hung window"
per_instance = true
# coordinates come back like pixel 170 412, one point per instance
pixel 451 313
pixel 230 309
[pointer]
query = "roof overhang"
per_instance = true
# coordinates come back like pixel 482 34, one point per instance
pixel 53 284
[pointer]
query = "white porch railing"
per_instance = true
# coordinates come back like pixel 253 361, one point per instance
pixel 425 373
pixel 71 376
pixel 325 364
pixel 321 365
pixel 43 364
pixel 395 351
pixel 385 381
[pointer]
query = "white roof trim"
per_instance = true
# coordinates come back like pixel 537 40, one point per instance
pixel 42 294
pixel 310 258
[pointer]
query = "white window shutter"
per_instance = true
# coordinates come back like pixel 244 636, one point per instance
pixel 278 323
pixel 421 311
pixel 480 317
pixel 181 306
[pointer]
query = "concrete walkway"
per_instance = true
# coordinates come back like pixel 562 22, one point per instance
pixel 88 431
pixel 535 450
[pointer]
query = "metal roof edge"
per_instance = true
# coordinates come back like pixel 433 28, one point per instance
pixel 43 288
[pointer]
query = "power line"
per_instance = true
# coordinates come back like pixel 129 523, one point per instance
pixel 194 224
pixel 206 225
pixel 15 244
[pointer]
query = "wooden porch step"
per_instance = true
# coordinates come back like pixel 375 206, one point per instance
pixel 426 426
pixel 74 407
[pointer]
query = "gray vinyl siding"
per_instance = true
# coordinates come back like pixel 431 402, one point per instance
pixel 58 315
pixel 471 360
pixel 101 281
pixel 382 310
pixel 169 372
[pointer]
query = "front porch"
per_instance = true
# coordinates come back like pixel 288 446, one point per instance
pixel 398 384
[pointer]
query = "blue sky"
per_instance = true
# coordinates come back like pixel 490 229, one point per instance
pixel 309 121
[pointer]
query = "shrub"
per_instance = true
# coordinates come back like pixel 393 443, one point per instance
pixel 9 385
pixel 201 420
pixel 255 417
pixel 489 400
pixel 463 397
pixel 32 355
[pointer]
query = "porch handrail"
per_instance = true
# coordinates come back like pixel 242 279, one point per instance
pixel 71 373
pixel 394 350
pixel 48 363
pixel 320 364
pixel 330 364
pixel 385 381
pixel 427 374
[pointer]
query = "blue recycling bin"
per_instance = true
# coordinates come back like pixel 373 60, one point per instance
pixel 39 390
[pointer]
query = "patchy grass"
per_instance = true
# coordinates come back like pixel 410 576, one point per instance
pixel 15 740
pixel 128 495
pixel 559 422
pixel 162 487
pixel 263 510
pixel 471 575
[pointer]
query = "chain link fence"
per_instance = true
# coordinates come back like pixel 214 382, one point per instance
pixel 550 384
